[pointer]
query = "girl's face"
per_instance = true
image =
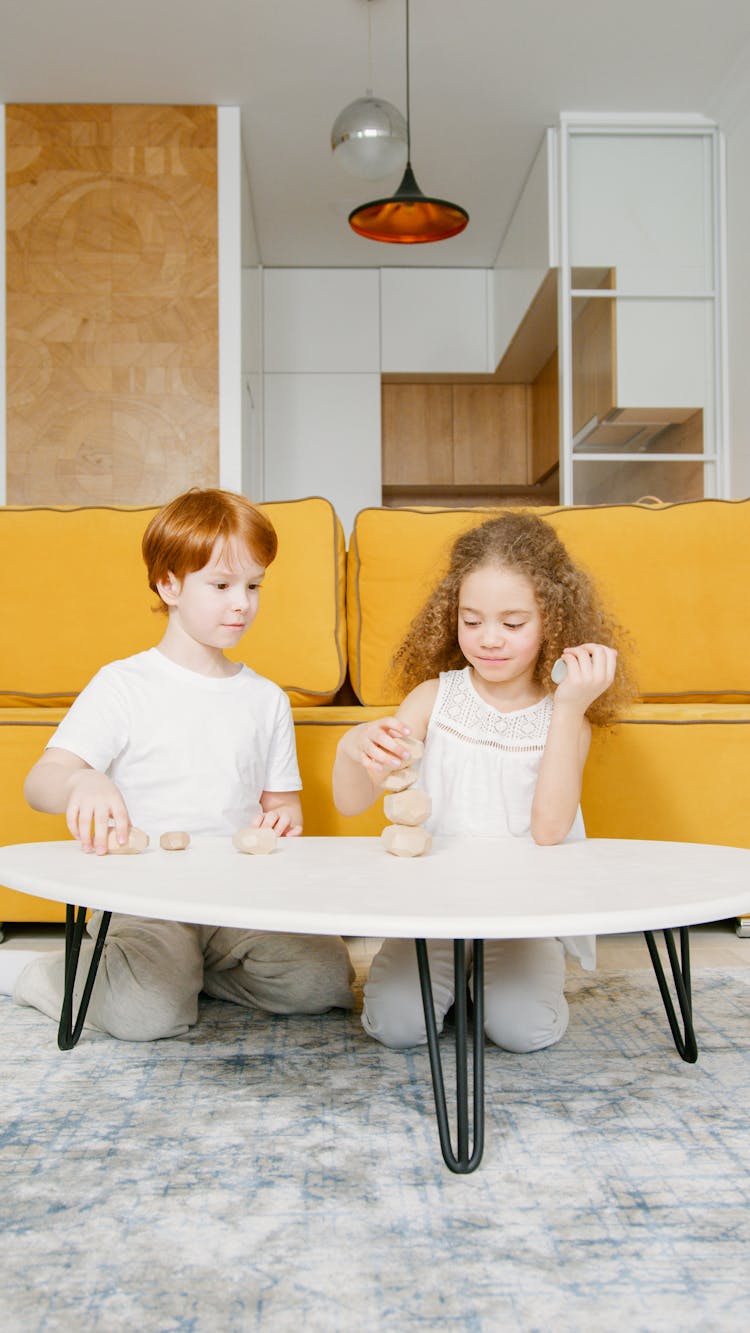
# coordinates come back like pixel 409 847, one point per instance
pixel 499 624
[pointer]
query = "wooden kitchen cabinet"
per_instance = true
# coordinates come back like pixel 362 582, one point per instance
pixel 461 437
pixel 490 434
pixel 417 425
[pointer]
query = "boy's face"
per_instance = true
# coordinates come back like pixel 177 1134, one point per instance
pixel 216 604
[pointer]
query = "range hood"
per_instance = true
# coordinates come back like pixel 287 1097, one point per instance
pixel 636 430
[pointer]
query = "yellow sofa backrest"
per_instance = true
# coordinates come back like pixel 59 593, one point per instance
pixel 676 576
pixel 73 595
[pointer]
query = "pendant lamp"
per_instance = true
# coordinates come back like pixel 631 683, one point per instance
pixel 408 217
pixel 368 137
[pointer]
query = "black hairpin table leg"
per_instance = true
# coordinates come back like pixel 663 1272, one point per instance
pixel 684 1038
pixel 465 1158
pixel 75 924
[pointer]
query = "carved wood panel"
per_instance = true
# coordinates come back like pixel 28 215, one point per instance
pixel 112 303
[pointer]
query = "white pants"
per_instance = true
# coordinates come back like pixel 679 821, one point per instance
pixel 151 973
pixel 525 1007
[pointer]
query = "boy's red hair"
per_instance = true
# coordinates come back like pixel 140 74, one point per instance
pixel 180 538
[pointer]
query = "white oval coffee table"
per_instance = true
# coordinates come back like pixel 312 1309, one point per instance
pixel 465 889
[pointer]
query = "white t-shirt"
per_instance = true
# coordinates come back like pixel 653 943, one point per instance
pixel 187 751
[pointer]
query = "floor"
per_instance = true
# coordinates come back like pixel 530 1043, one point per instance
pixel 713 945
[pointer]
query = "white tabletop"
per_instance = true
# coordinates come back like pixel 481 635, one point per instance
pixel 473 888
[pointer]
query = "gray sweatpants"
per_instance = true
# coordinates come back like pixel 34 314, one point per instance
pixel 152 972
pixel 524 1005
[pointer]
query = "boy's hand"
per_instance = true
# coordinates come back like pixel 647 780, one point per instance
pixel 94 800
pixel 284 821
pixel 591 670
pixel 375 745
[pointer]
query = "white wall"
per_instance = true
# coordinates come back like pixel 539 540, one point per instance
pixel 434 321
pixel 738 299
pixel 730 108
pixel 641 204
pixel 320 320
pixel 252 470
pixel 322 437
pixel 321 359
pixel 527 252
pixel 3 453
pixel 230 173
pixel 251 379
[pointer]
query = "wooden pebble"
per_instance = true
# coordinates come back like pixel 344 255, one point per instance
pixel 137 842
pixel 174 842
pixel 400 840
pixel 400 779
pixel 255 841
pixel 415 748
pixel 408 807
pixel 559 671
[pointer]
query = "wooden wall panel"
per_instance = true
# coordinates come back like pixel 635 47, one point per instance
pixel 545 421
pixel 594 355
pixel 490 434
pixel 417 430
pixel 112 303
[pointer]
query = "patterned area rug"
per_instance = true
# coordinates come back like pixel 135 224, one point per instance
pixel 277 1174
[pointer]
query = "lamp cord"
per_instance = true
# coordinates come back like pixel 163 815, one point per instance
pixel 408 111
pixel 369 49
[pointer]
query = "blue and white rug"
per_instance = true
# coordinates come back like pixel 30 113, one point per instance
pixel 284 1174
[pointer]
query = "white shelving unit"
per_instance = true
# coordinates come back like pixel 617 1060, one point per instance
pixel 642 198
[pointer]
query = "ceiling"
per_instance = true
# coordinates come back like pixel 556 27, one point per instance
pixel 487 76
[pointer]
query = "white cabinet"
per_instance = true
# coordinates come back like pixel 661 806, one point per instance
pixel 252 384
pixel 322 437
pixel 321 408
pixel 641 309
pixel 640 209
pixel 664 354
pixel 434 321
pixel 641 203
pixel 321 320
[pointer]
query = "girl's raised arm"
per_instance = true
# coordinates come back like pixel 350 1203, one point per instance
pixel 591 670
pixel 366 754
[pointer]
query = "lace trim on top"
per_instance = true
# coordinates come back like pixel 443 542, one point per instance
pixel 461 712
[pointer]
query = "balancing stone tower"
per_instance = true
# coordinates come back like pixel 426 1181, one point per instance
pixel 407 810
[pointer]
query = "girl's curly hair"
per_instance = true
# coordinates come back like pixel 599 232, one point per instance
pixel 571 610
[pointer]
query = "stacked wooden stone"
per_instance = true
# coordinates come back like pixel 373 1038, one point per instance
pixel 407 810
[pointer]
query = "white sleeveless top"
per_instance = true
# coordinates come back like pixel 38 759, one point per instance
pixel 480 768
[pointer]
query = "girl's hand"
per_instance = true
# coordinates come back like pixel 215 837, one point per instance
pixel 591 670
pixel 93 799
pixel 375 745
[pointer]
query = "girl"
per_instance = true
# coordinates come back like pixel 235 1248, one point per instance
pixel 504 755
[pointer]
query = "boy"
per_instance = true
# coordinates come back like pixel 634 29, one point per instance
pixel 180 737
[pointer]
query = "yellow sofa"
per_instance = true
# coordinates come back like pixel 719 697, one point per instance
pixel 677 765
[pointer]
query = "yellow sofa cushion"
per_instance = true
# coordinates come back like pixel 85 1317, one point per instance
pixel 676 576
pixel 74 595
pixel 676 772
pixel 299 638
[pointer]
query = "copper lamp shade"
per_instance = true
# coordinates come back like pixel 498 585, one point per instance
pixel 408 217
